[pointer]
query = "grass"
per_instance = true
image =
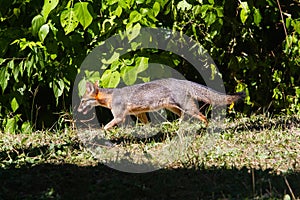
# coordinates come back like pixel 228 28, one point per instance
pixel 250 158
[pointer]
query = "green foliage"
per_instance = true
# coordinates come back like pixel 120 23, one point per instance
pixel 44 43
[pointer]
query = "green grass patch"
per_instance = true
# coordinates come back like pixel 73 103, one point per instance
pixel 250 158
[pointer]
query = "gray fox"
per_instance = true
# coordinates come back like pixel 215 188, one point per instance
pixel 178 96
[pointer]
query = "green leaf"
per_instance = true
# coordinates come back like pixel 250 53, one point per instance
pixel 212 2
pixel 81 87
pixel 156 8
pixel 142 64
pixel 257 17
pixel 113 58
pixel 296 25
pixel 93 76
pixel 68 20
pixel 118 11
pixel 58 88
pixel 14 104
pixel 17 12
pixel 43 32
pixel 115 65
pixel 184 5
pixel 4 77
pixel 135 45
pixel 26 128
pixel 2 60
pixel 197 10
pixel 244 12
pixel 210 18
pixel 129 75
pixel 288 22
pixel 204 9
pixel 11 125
pixel 139 1
pixel 11 64
pixel 133 32
pixel 108 24
pixel 36 24
pixel 49 5
pixel 213 71
pixel 110 79
pixel 16 71
pixel 83 15
pixel 134 16
pixel 220 11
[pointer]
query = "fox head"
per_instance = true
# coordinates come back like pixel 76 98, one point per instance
pixel 89 99
pixel 95 96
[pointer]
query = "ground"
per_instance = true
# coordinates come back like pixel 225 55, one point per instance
pixel 254 157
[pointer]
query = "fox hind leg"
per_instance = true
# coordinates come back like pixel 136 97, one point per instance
pixel 142 117
pixel 202 118
pixel 191 109
pixel 175 110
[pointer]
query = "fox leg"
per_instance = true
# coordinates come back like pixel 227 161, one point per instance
pixel 175 110
pixel 112 123
pixel 198 115
pixel 191 109
pixel 143 118
pixel 119 116
pixel 201 117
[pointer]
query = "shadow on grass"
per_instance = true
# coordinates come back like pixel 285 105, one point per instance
pixel 50 181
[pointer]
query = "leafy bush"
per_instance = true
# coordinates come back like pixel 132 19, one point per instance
pixel 254 44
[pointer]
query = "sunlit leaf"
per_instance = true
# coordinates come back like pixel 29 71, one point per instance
pixel 156 8
pixel 142 64
pixel 36 24
pixel 257 17
pixel 43 32
pixel 118 11
pixel 129 75
pixel 184 5
pixel 68 20
pixel 110 79
pixel 113 58
pixel 81 87
pixel 210 18
pixel 134 16
pixel 83 15
pixel 26 128
pixel 58 88
pixel 14 104
pixel 244 12
pixel 133 32
pixel 49 5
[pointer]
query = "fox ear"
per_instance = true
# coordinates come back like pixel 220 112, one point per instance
pixel 96 84
pixel 90 88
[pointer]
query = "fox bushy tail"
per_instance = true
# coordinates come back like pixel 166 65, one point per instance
pixel 210 96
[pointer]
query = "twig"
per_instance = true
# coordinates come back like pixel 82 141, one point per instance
pixel 253 182
pixel 290 189
pixel 284 27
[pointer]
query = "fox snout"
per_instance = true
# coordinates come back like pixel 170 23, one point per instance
pixel 84 107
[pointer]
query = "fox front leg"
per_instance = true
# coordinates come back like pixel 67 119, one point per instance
pixel 112 123
pixel 119 114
